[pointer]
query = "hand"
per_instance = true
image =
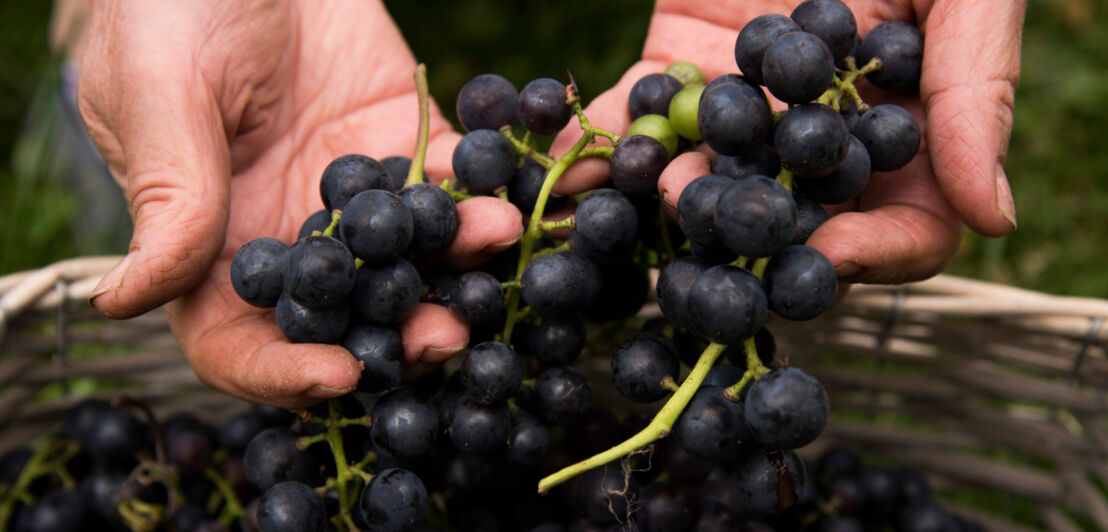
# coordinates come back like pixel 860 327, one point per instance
pixel 907 223
pixel 217 119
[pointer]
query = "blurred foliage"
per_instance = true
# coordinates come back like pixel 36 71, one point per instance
pixel 1057 156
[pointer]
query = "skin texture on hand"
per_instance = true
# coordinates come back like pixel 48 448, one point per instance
pixel 906 224
pixel 217 119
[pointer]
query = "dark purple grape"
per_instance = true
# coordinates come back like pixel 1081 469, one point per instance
pixel 837 461
pixel 81 419
pixel 272 457
pixel 490 373
pixel 319 221
pixel 755 38
pixel 380 349
pixel 273 416
pixel 786 409
pixel 764 344
pixel 562 393
pixel 798 67
pixel 890 135
pixel 524 188
pixel 552 283
pixel 239 429
pixel 348 175
pixel 398 167
pixel 673 286
pixel 926 517
pixel 385 294
pixel 623 291
pixel 477 299
pixel 636 163
pixel 812 140
pixel 556 340
pixel 377 226
pixel 651 94
pixel 800 283
pixel 721 79
pixel 711 427
pixel 100 489
pixel 189 444
pixel 899 46
pixel 394 501
pixel 724 375
pixel 734 117
pixel 726 304
pixel 301 324
pixel 604 495
pixel 770 481
pixel 639 366
pixel 760 161
pixel 696 208
pixel 912 488
pixel 291 506
pixel 830 20
pixel 664 508
pixel 256 271
pixel 846 494
pixel 879 489
pixel 484 161
pixel 116 438
pixel 478 429
pixel 59 511
pixel 607 223
pixel 318 272
pixel 404 423
pixel 809 216
pixel 542 106
pixel 845 183
pixel 488 101
pixel 715 253
pixel 434 217
pixel 528 443
pixel 756 217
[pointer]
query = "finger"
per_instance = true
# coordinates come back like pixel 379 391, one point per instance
pixel 432 334
pixel 678 174
pixel 969 99
pixel 608 112
pixel 486 226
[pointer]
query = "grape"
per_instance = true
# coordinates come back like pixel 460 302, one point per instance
pixel 488 101
pixel 651 94
pixel 800 283
pixel 556 341
pixel 673 286
pixel 381 352
pixel 658 127
pixel 348 175
pixel 798 67
pixel 756 217
pixel 812 140
pixel 301 324
pixel 837 461
pixel 696 208
pixel 711 427
pixel 890 135
pixel 293 507
pixel 484 161
pixel 526 183
pixel 623 290
pixel 528 443
pixel 769 481
pixel 385 294
pixel 394 501
pixel 552 283
pixel 434 217
pixel 59 511
pixel 755 38
pixel 846 490
pixel 272 457
pixel 830 20
pixel 116 437
pixel 562 394
pixel 636 163
pixel 377 226
pixel 604 495
pixel 542 106
pixel 664 508
pixel 239 429
pixel 477 428
pixel 687 73
pixel 764 344
pixel 786 409
pixel 319 221
pixel 100 489
pixel 809 216
pixel 491 372
pixel 606 226
pixel 879 492
pixel 318 272
pixel 724 375
pixel 404 424
pixel 720 80
pixel 759 161
pixel 639 366
pixel 256 271
pixel 189 444
pixel 899 46
pixel 734 117
pixel 726 304
pixel 398 167
pixel 845 183
pixel 477 299
pixel 683 110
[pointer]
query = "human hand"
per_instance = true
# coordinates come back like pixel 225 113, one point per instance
pixel 217 119
pixel 906 224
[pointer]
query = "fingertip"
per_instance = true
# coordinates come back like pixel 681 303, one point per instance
pixel 432 334
pixel 678 174
pixel 486 226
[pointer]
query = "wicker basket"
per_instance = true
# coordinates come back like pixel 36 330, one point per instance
pixel 979 385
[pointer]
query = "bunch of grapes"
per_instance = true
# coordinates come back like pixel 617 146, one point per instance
pixel 467 448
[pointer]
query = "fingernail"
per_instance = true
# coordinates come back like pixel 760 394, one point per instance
pixel 111 281
pixel 436 355
pixel 1004 201
pixel 670 204
pixel 847 269
pixel 320 391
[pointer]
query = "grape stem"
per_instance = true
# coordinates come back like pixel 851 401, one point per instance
pixel 415 171
pixel 50 456
pixel 336 215
pixel 658 428
pixel 754 370
pixel 233 508
pixel 785 177
pixel 568 223
pixel 844 85
pixel 523 147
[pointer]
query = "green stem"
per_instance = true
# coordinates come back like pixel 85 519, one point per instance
pixel 232 510
pixel 658 428
pixel 448 186
pixel 336 215
pixel 560 248
pixel 568 223
pixel 669 384
pixel 523 147
pixel 785 177
pixel 509 284
pixel 598 151
pixel 754 370
pixel 51 456
pixel 759 267
pixel 415 171
pixel 344 473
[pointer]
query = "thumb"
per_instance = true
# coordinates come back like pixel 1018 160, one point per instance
pixel 161 132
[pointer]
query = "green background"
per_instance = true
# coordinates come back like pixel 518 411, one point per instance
pixel 1058 153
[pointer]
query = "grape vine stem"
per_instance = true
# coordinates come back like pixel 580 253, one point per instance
pixel 415 171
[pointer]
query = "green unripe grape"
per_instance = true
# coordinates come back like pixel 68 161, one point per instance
pixel 658 127
pixel 687 73
pixel 682 111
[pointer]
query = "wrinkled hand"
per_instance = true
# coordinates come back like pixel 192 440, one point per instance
pixel 907 223
pixel 217 119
